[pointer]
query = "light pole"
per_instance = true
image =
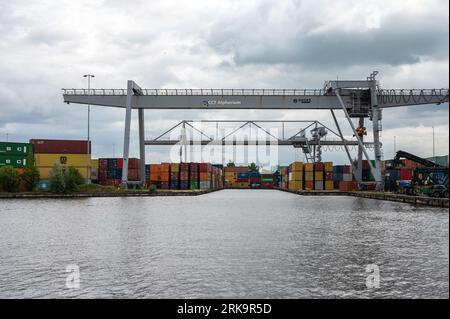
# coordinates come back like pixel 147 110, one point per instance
pixel 395 145
pixel 434 148
pixel 88 168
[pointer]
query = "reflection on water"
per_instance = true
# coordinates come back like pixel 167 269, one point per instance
pixel 233 243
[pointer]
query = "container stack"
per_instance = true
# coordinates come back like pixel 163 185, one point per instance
pixel 308 176
pixel 66 153
pixel 184 175
pixel 318 176
pixel 147 174
pixel 295 176
pixel 164 175
pixel 267 180
pixel 347 183
pixel 205 172
pixel 15 154
pixel 328 171
pixel 193 176
pixel 110 171
pixel 237 177
pixel 255 179
pixel 276 179
pixel 94 170
pixel 284 177
pixel 174 176
pixel 155 175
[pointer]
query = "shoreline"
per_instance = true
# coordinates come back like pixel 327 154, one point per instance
pixel 414 200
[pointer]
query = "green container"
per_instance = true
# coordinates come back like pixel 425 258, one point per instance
pixel 193 185
pixel 267 180
pixel 19 149
pixel 13 160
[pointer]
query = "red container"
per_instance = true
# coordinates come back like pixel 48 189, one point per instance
pixel 365 165
pixel 193 167
pixel 61 146
pixel 348 186
pixel 318 167
pixel 346 169
pixel 133 174
pixel 174 176
pixel 112 182
pixel 266 185
pixel 308 185
pixel 184 167
pixel 204 167
pixel 120 163
pixel 255 179
pixel 184 175
pixel 406 174
pixel 328 176
pixel 132 163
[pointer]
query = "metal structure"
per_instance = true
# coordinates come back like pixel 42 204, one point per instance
pixel 357 99
pixel 311 147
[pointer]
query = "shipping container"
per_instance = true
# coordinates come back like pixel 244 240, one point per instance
pixel 309 176
pixel 329 185
pixel 318 185
pixel 61 146
pixel 20 149
pixel 309 167
pixel 295 185
pixel 318 175
pixel 318 167
pixel 308 185
pixel 51 159
pixel 296 167
pixel 328 166
pixel 348 185
pixel 13 160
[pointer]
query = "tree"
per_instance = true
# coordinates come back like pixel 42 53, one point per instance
pixel 9 178
pixel 253 167
pixel 231 164
pixel 65 180
pixel 57 180
pixel 73 179
pixel 30 176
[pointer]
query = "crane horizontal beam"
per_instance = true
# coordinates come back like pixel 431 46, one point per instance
pixel 294 142
pixel 248 98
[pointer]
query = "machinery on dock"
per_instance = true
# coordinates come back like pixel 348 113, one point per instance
pixel 429 179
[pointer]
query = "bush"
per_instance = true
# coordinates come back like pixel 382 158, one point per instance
pixel 9 178
pixel 73 179
pixel 30 176
pixel 65 180
pixel 57 180
pixel 152 188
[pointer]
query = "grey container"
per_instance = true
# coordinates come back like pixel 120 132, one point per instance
pixel 318 185
pixel 205 185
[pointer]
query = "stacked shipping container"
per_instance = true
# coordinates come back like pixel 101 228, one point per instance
pixel 110 171
pixel 295 176
pixel 66 153
pixel 15 155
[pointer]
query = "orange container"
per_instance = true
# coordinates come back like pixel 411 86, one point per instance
pixel 165 167
pixel 205 176
pixel 164 176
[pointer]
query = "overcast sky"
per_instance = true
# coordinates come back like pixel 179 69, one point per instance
pixel 47 45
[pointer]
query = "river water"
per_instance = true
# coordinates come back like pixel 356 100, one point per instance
pixel 226 244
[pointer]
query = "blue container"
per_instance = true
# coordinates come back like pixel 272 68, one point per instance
pixel 173 185
pixel 111 174
pixel 243 175
pixel 184 184
pixel 392 174
pixel 338 169
pixel 251 174
pixel 338 177
pixel 118 174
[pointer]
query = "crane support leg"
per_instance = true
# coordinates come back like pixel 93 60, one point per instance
pixel 126 139
pixel 343 140
pixel 376 118
pixel 142 145
pixel 359 170
pixel 360 143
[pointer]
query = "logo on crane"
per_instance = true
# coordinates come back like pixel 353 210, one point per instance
pixel 207 103
pixel 302 101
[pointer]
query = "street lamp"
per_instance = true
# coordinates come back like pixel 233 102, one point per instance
pixel 88 76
